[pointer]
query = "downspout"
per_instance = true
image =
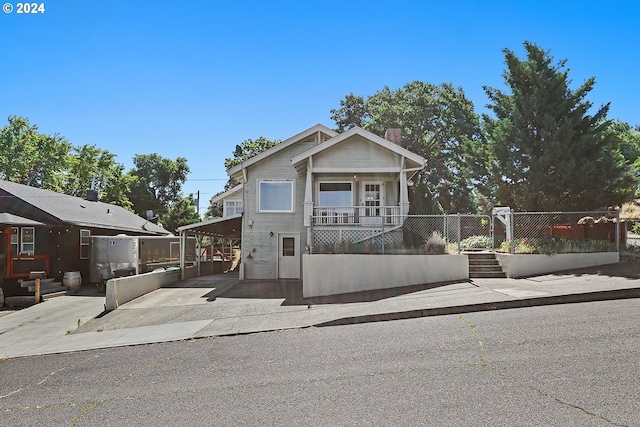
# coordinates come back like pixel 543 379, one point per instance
pixel 241 266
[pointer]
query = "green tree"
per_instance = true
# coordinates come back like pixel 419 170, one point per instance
pixel 247 149
pixel 546 152
pixel 30 157
pixel 92 167
pixel 156 185
pixel 215 209
pixel 181 212
pixel 438 123
pixel 629 146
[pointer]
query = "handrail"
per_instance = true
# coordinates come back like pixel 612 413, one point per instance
pixel 355 215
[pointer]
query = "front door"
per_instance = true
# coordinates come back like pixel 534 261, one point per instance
pixel 289 256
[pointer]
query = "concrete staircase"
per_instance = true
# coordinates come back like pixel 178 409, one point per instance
pixel 483 265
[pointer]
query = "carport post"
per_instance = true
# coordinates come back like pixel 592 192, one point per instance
pixel 183 244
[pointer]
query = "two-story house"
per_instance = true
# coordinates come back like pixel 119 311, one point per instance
pixel 352 181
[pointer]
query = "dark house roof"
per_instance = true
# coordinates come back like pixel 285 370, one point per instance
pixel 11 219
pixel 54 208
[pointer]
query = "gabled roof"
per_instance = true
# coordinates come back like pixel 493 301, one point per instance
pixel 11 219
pixel 228 193
pixel 420 161
pixel 78 211
pixel 282 145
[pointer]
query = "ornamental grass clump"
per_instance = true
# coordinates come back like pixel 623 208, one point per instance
pixel 435 245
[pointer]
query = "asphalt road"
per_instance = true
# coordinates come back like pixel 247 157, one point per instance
pixel 564 365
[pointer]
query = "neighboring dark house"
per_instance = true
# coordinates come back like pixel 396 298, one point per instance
pixel 41 230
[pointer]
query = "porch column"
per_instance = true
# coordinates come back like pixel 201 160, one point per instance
pixel 308 193
pixel 183 244
pixel 404 190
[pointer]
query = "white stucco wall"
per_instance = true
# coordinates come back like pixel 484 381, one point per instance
pixel 337 274
pixel 522 265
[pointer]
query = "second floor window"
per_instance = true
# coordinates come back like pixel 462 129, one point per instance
pixel 275 196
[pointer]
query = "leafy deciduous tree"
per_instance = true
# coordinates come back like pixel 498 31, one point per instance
pixel 91 166
pixel 31 158
pixel 437 122
pixel 156 185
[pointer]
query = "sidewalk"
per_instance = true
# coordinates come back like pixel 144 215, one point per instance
pixel 222 305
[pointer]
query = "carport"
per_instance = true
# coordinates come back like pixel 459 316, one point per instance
pixel 226 232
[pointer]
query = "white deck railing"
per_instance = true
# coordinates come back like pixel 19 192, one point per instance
pixel 356 215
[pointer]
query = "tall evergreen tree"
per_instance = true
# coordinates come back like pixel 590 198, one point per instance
pixel 547 151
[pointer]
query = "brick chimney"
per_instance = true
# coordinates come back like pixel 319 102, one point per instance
pixel 394 135
pixel 92 195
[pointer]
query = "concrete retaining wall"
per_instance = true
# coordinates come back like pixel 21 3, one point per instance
pixel 522 265
pixel 125 289
pixel 337 274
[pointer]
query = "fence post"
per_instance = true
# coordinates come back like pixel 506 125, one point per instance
pixel 512 245
pixel 617 230
pixel 459 232
pixel 445 231
pixel 383 238
pixel 492 231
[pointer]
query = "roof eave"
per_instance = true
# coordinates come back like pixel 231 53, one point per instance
pixel 235 170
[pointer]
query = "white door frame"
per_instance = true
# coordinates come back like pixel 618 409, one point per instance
pixel 363 210
pixel 288 266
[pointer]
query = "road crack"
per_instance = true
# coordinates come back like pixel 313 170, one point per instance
pixel 487 368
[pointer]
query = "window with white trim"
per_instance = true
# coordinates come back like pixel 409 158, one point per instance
pixel 27 240
pixel 335 201
pixel 85 241
pixel 232 207
pixel 275 196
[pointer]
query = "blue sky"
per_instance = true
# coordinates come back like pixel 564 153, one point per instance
pixel 195 78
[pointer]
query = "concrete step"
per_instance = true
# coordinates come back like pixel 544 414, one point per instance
pixel 485 268
pixel 48 287
pixel 29 283
pixel 484 265
pixel 487 275
pixel 483 261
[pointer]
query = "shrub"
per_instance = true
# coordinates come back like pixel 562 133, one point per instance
pixel 476 242
pixel 435 245
pixel 550 245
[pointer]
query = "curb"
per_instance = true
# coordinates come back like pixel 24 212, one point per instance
pixel 499 305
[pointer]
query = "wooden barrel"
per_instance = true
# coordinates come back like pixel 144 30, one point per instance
pixel 72 280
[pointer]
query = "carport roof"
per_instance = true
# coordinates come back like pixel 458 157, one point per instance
pixel 230 227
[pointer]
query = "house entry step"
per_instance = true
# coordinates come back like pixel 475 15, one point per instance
pixel 484 265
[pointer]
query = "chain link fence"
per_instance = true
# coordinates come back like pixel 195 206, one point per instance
pixel 632 227
pixel 396 234
pixel 514 232
pixel 558 232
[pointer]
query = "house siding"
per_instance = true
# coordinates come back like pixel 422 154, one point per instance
pixel 257 239
pixel 356 151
